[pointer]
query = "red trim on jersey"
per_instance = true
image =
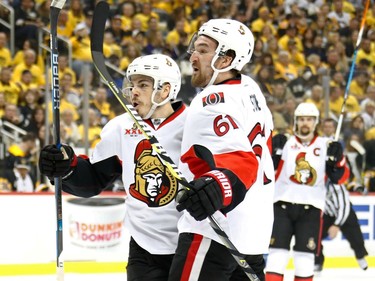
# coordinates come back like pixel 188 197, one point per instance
pixel 190 258
pixel 83 156
pixel 243 164
pixel 345 176
pixel 74 161
pixel 272 276
pixel 174 115
pixel 269 143
pixel 279 168
pixel 196 165
pixel 233 81
pixel 169 119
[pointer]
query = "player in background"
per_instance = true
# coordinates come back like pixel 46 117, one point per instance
pixel 340 215
pixel 226 156
pixel 151 83
pixel 302 164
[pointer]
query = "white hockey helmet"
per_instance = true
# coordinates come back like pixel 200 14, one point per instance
pixel 230 35
pixel 306 109
pixel 162 69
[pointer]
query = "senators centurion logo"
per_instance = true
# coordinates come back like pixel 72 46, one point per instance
pixel 213 99
pixel 153 183
pixel 304 172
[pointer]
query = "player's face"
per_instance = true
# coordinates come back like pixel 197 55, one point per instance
pixel 201 57
pixel 305 125
pixel 140 92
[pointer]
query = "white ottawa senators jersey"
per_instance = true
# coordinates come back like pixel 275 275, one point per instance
pixel 300 177
pixel 151 215
pixel 233 121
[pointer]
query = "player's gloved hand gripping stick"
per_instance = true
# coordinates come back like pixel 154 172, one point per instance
pixel 101 14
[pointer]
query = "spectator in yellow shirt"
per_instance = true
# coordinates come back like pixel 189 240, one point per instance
pixel 264 18
pixel 2 104
pixel 317 97
pixel 8 87
pixel 64 104
pixel 25 84
pixel 101 104
pixel 63 63
pixel 28 44
pixel 359 84
pixel 370 17
pixel 173 37
pixel 110 47
pixel 132 51
pixel 5 54
pixel 75 14
pixel 333 61
pixel 72 135
pixel 336 100
pixel 127 11
pixel 64 28
pixel 145 15
pixel 81 51
pixel 284 67
pixel 297 57
pixel 291 33
pixel 365 52
pixel 94 128
pixel 30 64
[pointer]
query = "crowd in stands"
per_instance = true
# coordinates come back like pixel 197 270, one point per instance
pixel 298 44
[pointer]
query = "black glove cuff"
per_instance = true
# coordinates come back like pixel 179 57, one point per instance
pixel 223 183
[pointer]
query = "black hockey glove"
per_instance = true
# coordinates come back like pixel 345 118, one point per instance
pixel 54 162
pixel 278 143
pixel 334 153
pixel 207 194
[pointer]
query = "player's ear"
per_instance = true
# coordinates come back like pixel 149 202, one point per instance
pixel 165 90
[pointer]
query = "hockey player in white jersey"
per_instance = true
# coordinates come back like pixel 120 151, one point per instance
pixel 152 82
pixel 302 166
pixel 226 155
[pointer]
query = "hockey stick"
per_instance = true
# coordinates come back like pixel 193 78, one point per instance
pixel 55 8
pixel 101 13
pixel 351 72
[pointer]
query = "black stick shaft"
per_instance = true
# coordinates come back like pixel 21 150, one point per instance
pixel 55 8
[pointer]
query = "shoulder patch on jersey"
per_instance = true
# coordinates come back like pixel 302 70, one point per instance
pixel 213 98
pixel 133 131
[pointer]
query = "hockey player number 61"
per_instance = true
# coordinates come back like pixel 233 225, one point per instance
pixel 222 125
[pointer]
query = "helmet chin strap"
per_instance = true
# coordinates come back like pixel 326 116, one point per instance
pixel 151 111
pixel 154 104
pixel 216 71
